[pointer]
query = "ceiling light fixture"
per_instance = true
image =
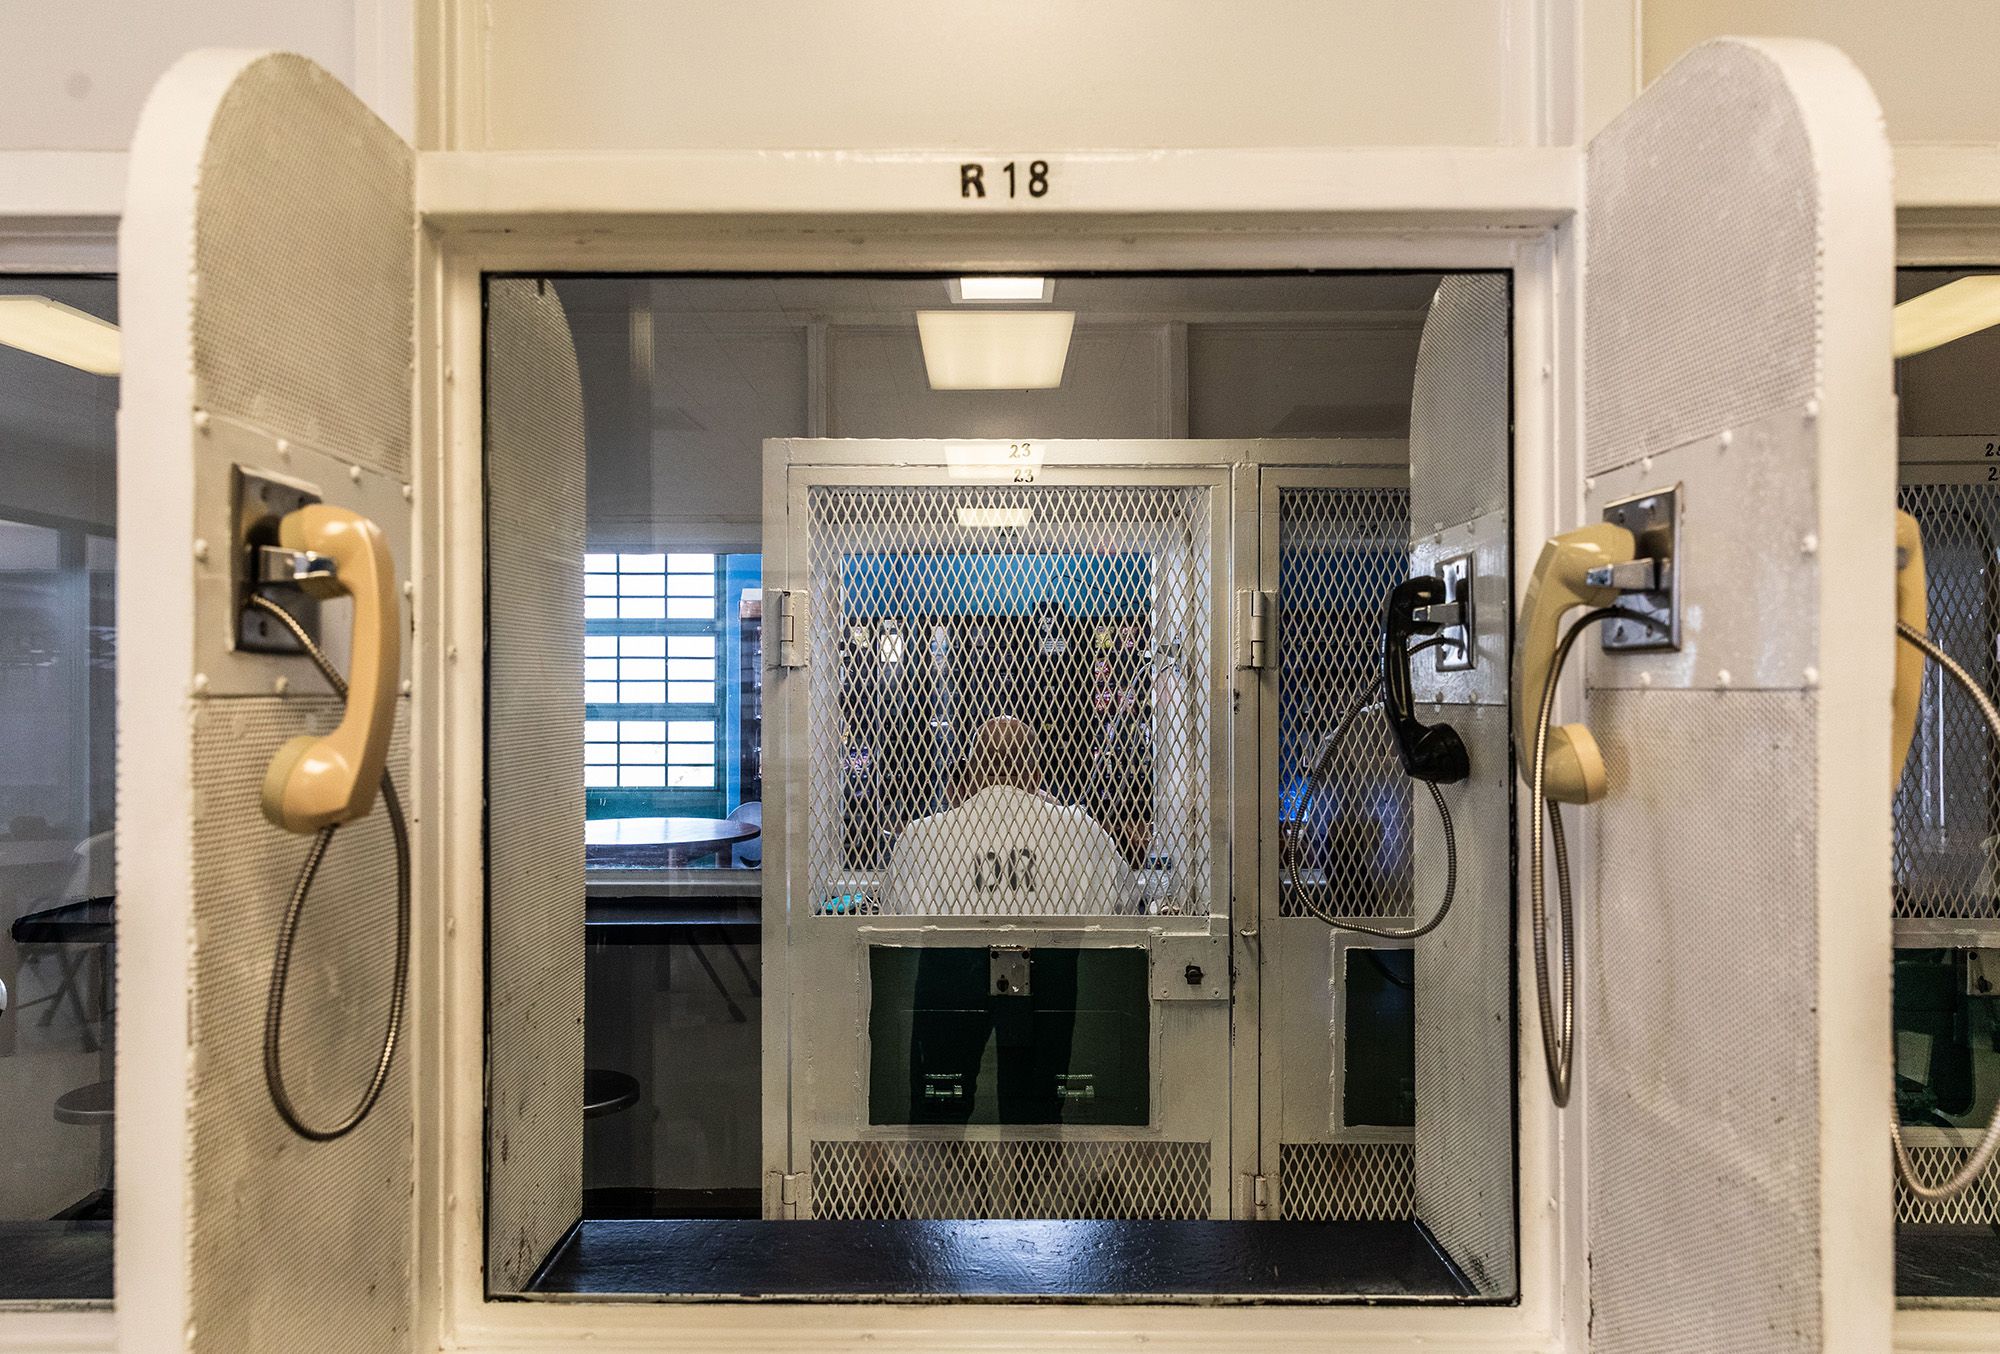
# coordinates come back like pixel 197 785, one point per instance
pixel 1001 350
pixel 994 518
pixel 46 328
pixel 1945 313
pixel 975 290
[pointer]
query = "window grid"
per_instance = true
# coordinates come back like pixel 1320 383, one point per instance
pixel 650 668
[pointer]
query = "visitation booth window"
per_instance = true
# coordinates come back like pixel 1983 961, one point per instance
pixel 58 654
pixel 841 1040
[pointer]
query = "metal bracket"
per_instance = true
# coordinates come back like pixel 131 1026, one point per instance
pixel 1256 628
pixel 1009 972
pixel 258 564
pixel 794 1192
pixel 1650 584
pixel 789 631
pixel 1456 653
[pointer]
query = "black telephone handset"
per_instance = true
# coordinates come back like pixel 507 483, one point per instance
pixel 1432 752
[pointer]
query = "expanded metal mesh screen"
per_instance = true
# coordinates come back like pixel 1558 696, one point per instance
pixel 1008 699
pixel 1340 550
pixel 1978 1206
pixel 1945 808
pixel 1345 1181
pixel 1043 1179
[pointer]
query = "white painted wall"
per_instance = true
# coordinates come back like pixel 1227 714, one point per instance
pixel 1931 62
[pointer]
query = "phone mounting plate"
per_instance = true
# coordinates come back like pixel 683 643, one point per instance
pixel 1456 653
pixel 259 500
pixel 1654 519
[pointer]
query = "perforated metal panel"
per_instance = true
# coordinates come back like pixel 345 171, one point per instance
pixel 260 1195
pixel 1945 810
pixel 1461 404
pixel 1732 1020
pixel 1702 199
pixel 936 609
pixel 296 319
pixel 534 798
pixel 267 287
pixel 1711 1076
pixel 1344 1181
pixel 1044 1179
pixel 1340 550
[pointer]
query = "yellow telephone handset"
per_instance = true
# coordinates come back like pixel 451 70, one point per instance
pixel 1913 610
pixel 1573 772
pixel 316 782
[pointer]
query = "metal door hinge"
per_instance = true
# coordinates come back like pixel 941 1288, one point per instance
pixel 794 1190
pixel 1256 629
pixel 785 617
pixel 1260 1194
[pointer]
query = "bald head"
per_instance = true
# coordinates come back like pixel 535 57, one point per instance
pixel 1004 752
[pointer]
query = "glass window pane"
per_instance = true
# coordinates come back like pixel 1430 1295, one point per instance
pixel 692 731
pixel 600 564
pixel 642 754
pixel 682 564
pixel 690 693
pixel 600 609
pixel 691 669
pixel 642 669
pixel 600 754
pixel 641 777
pixel 600 669
pixel 691 646
pixel 641 585
pixel 642 564
pixel 690 754
pixel 642 646
pixel 600 693
pixel 596 730
pixel 600 585
pixel 600 777
pixel 600 646
pixel 691 777
pixel 642 730
pixel 642 693
pixel 690 585
pixel 640 609
pixel 691 609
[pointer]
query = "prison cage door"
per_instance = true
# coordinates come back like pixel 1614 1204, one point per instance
pixel 1733 1065
pixel 1006 982
pixel 266 293
pixel 1337 1070
pixel 1946 821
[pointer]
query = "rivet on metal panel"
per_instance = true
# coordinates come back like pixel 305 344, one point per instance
pixel 449 376
pixel 1809 543
pixel 1589 483
pixel 1722 677
pixel 285 447
pixel 1723 442
pixel 1812 676
pixel 200 683
pixel 451 654
pixel 409 588
pixel 201 420
pixel 354 473
pixel 1645 679
pixel 1812 410
pixel 200 548
pixel 405 688
pixel 408 493
pixel 281 685
pixel 1646 464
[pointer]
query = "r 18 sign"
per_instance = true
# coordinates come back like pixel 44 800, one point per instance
pixel 1033 180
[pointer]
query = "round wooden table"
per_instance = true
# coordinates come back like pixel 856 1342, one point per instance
pixel 660 842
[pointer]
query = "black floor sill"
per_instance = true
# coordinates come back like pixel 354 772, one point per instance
pixel 666 1259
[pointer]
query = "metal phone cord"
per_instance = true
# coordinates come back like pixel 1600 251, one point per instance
pixel 288 931
pixel 1290 853
pixel 1558 1040
pixel 1982 1155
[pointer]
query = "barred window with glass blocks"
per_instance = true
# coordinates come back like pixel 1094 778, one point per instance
pixel 652 681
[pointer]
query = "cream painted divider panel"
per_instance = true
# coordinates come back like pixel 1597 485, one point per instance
pixel 1733 1032
pixel 266 297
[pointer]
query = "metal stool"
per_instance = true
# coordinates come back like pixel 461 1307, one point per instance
pixel 604 1092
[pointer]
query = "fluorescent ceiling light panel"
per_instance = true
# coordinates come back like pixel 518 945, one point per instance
pixel 1020 462
pixel 1946 313
pixel 993 518
pixel 996 350
pixel 61 333
pixel 989 289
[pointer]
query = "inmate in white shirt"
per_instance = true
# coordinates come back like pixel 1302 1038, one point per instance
pixel 1005 850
